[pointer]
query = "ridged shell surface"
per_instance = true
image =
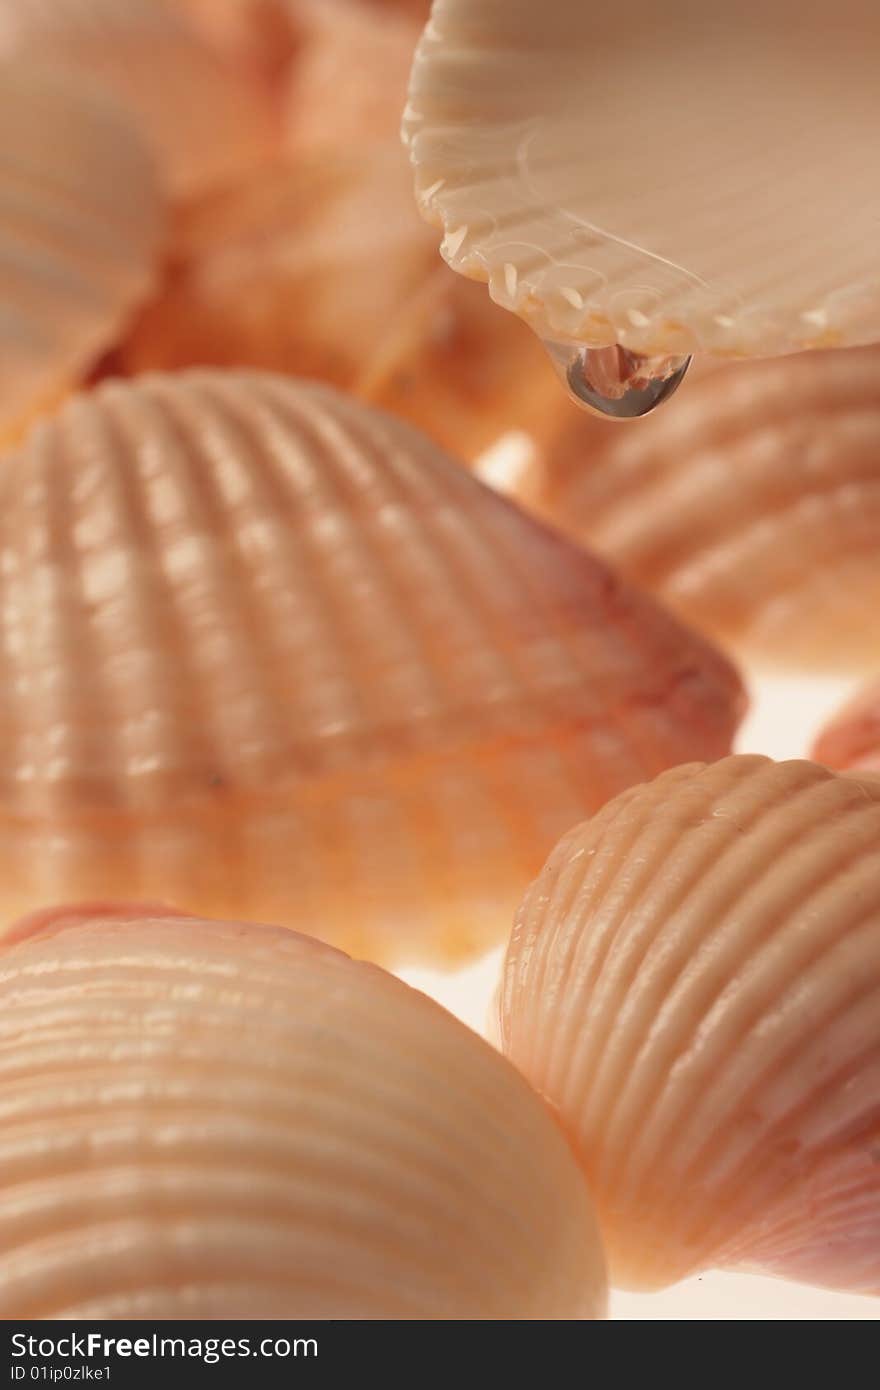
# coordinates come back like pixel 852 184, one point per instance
pixel 204 120
pixel 750 504
pixel 218 1120
pixel 852 738
pixel 667 176
pixel 268 653
pixel 694 983
pixel 80 224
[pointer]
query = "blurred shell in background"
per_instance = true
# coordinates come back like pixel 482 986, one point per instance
pixel 669 177
pixel 204 120
pixel 349 82
pixel 750 503
pixel 260 34
pixel 213 1120
pixel 80 224
pixel 268 653
pixel 852 738
pixel 323 268
pixel 296 269
pixel 694 983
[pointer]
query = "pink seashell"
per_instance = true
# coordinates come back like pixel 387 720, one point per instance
pixel 324 269
pixel 260 34
pixel 694 983
pixel 296 269
pixel 80 224
pixel 750 504
pixel 205 121
pixel 270 654
pixel 348 84
pixel 220 1120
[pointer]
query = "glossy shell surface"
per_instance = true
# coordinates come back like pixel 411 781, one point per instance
pixel 750 503
pixel 213 1119
pixel 694 983
pixel 268 653
pixel 671 177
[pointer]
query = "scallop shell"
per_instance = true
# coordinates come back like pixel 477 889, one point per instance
pixel 80 222
pixel 852 738
pixel 267 653
pixel 213 1120
pixel 349 81
pixel 205 121
pixel 668 177
pixel 750 504
pixel 694 982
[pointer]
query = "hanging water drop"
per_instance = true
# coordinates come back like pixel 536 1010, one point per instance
pixel 615 382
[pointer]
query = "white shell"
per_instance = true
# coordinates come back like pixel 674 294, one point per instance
pixel 217 1120
pixel 80 224
pixel 668 176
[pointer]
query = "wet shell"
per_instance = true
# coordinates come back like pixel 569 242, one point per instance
pixel 205 121
pixel 694 981
pixel 80 224
pixel 852 738
pixel 669 177
pixel 269 654
pixel 212 1120
pixel 348 84
pixel 750 504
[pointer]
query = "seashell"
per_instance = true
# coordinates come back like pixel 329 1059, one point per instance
pixel 349 81
pixel 205 121
pixel 750 504
pixel 260 34
pixel 852 738
pixel 292 269
pixel 269 654
pixel 663 177
pixel 694 983
pixel 326 270
pixel 454 365
pixel 219 1120
pixel 80 222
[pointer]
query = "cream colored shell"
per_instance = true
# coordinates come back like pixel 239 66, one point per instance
pixel 80 225
pixel 204 120
pixel 667 176
pixel 218 1120
pixel 694 983
pixel 268 653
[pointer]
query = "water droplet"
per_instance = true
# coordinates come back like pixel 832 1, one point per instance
pixel 615 382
